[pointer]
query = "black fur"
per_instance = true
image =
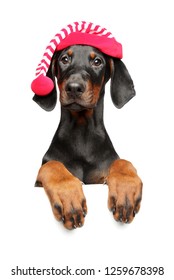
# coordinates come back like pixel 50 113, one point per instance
pixel 81 142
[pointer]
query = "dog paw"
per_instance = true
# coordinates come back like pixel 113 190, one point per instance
pixel 65 194
pixel 125 191
pixel 68 203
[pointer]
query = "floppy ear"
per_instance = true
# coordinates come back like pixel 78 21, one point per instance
pixel 122 87
pixel 48 102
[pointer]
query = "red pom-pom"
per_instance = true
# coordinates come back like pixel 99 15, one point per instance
pixel 42 85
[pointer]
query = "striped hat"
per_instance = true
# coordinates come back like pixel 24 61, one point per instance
pixel 83 33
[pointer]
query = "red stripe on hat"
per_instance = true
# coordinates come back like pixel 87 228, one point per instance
pixel 47 55
pixel 89 27
pixel 54 42
pixel 101 31
pixel 70 27
pixel 51 49
pixel 42 68
pixel 65 32
pixel 83 24
pixel 76 24
pixel 96 27
pixel 44 62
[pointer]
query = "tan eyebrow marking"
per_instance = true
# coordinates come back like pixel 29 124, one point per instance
pixel 70 52
pixel 92 55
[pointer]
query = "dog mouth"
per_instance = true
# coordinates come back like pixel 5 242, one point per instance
pixel 80 103
pixel 74 107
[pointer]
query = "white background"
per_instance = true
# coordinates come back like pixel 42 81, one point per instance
pixel 141 132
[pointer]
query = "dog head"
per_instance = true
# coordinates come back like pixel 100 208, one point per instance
pixel 80 72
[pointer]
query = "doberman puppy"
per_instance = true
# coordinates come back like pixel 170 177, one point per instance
pixel 81 150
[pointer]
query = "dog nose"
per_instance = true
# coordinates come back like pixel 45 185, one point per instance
pixel 75 89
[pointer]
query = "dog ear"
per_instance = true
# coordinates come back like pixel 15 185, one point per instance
pixel 48 102
pixel 122 87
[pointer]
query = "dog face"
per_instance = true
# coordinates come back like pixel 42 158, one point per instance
pixel 81 75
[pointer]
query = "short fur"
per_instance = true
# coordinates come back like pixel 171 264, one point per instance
pixel 81 146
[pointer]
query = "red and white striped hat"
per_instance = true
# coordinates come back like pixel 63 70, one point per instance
pixel 83 33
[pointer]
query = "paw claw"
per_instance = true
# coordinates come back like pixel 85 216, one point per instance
pixel 58 208
pixel 84 213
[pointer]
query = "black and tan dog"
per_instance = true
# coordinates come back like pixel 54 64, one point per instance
pixel 81 150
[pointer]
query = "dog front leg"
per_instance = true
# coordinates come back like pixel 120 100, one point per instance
pixel 64 192
pixel 125 190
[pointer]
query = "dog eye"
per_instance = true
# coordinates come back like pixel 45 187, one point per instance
pixel 65 59
pixel 97 61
